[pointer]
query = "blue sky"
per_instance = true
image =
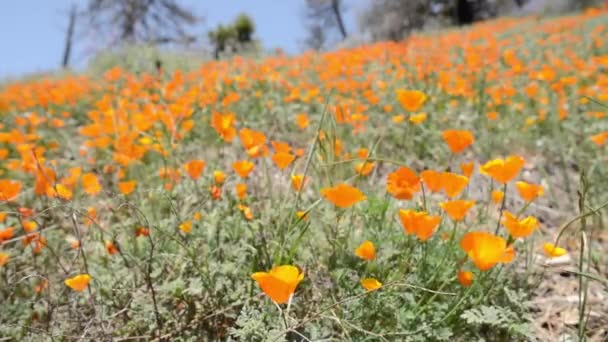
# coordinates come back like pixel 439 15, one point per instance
pixel 32 31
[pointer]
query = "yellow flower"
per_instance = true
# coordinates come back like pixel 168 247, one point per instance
pixel 553 251
pixel 418 118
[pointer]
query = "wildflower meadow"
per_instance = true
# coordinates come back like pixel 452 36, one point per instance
pixel 452 186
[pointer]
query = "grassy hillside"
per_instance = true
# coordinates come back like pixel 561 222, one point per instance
pixel 450 186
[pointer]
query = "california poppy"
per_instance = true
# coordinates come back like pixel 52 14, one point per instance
pixel 458 140
pixel 243 167
pixel 186 227
pixel 433 180
pixel 194 168
pixel 553 251
pixel 302 121
pixel 283 159
pixel 280 282
pixel 458 209
pixel 9 189
pixel 364 168
pixel 417 119
pixel 453 184
pixel 497 196
pixel 519 228
pixel 343 195
pixel 79 282
pixel 366 250
pixel 297 181
pixel 219 177
pixel 223 125
pixel 467 168
pixel 411 100
pixel 503 170
pixel 528 192
pixel 465 278
pixel 111 247
pixel 241 191
pixel 486 250
pixel 4 258
pixel 6 234
pixel 127 187
pixel 403 183
pixel 91 184
pixel 418 222
pixel 371 284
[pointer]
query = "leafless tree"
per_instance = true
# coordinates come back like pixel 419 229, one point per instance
pixel 150 21
pixel 324 17
pixel 69 37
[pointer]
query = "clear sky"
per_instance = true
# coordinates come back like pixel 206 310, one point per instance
pixel 32 31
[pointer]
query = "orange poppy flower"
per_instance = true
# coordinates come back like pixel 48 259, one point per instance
pixel 186 227
pixel 142 231
pixel 194 168
pixel 433 180
pixel 418 222
pixel 111 247
pixel 528 192
pixel 223 125
pixel 497 196
pixel 417 119
pixel 365 168
pixel 465 278
pixel 343 195
pixel 127 187
pixel 302 215
pixel 4 258
pixel 241 191
pixel 219 177
pixel 254 142
pixel 458 209
pixel 9 189
pixel 503 170
pixel 600 138
pixel 243 167
pixel 403 183
pixel 216 192
pixel 279 283
pixel 486 250
pixel 280 146
pixel 79 282
pixel 63 192
pixel 246 211
pixel 411 100
pixel 519 228
pixel 371 284
pixel 398 118
pixel 29 226
pixel 453 184
pixel 458 140
pixel 297 181
pixel 467 168
pixel 282 159
pixel 366 250
pixel 302 120
pixel 553 251
pixel 6 234
pixel 91 184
